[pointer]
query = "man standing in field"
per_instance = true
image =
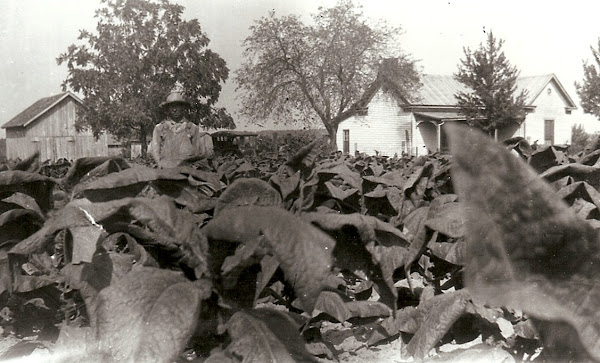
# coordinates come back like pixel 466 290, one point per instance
pixel 176 138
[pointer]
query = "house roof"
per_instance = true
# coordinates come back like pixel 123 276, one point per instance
pixel 536 84
pixel 440 116
pixel 37 109
pixel 439 90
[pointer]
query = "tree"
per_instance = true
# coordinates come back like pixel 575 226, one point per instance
pixel 493 80
pixel 579 139
pixel 142 48
pixel 308 73
pixel 589 91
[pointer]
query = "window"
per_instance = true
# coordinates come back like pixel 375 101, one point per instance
pixel 548 132
pixel 346 141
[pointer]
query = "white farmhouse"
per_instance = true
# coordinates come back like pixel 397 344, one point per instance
pixel 389 122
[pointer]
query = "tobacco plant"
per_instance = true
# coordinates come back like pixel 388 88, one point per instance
pixel 311 257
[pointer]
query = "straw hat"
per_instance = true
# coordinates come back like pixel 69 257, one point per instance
pixel 175 97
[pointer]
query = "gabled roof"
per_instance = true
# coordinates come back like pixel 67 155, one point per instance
pixel 37 109
pixel 536 84
pixel 439 90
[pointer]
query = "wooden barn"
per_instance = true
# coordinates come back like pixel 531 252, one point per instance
pixel 390 122
pixel 48 126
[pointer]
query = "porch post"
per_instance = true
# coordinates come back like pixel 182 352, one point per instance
pixel 439 136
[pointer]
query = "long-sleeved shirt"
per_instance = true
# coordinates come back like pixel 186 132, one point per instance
pixel 173 142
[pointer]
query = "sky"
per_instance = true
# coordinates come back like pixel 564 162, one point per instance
pixel 540 37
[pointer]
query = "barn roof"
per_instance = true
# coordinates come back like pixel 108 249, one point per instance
pixel 37 109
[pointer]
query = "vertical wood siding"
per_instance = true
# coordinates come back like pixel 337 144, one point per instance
pixel 53 135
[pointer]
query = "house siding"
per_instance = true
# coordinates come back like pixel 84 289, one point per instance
pixel 548 106
pixel 384 129
pixel 426 139
pixel 53 135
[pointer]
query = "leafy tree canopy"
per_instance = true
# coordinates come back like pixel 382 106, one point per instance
pixel 141 48
pixel 589 91
pixel 492 103
pixel 294 72
pixel 579 139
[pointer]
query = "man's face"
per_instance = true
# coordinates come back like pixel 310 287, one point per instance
pixel 177 111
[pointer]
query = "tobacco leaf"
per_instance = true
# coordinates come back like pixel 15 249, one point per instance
pixel 303 250
pixel 264 335
pixel 438 315
pixel 545 158
pixel 332 304
pixel 19 224
pixel 407 319
pixel 30 164
pixel 160 308
pixel 394 178
pixel 577 172
pixel 580 190
pixel 525 248
pixel 24 201
pixel 37 186
pixel 248 191
pixel 453 253
pixel 304 159
pixel 157 223
pixel 448 220
pixel 127 183
pixel 82 166
pixel 90 278
pixel 386 246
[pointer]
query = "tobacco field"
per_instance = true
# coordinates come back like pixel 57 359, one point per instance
pixel 488 252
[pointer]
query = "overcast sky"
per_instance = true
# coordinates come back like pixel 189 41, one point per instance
pixel 540 37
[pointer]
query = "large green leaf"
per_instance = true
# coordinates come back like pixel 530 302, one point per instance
pixel 264 335
pixel 148 315
pixel 153 222
pixel 525 248
pixel 18 224
pixel 303 250
pixel 386 246
pixel 82 166
pixel 127 183
pixel 37 186
pixel 438 315
pixel 248 191
pixel 578 172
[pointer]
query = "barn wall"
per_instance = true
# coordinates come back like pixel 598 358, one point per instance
pixel 53 135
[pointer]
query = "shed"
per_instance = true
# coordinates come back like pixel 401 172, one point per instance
pixel 48 127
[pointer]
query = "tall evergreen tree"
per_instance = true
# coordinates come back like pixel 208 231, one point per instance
pixel 589 90
pixel 492 103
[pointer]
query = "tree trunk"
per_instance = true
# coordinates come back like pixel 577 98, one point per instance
pixel 332 133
